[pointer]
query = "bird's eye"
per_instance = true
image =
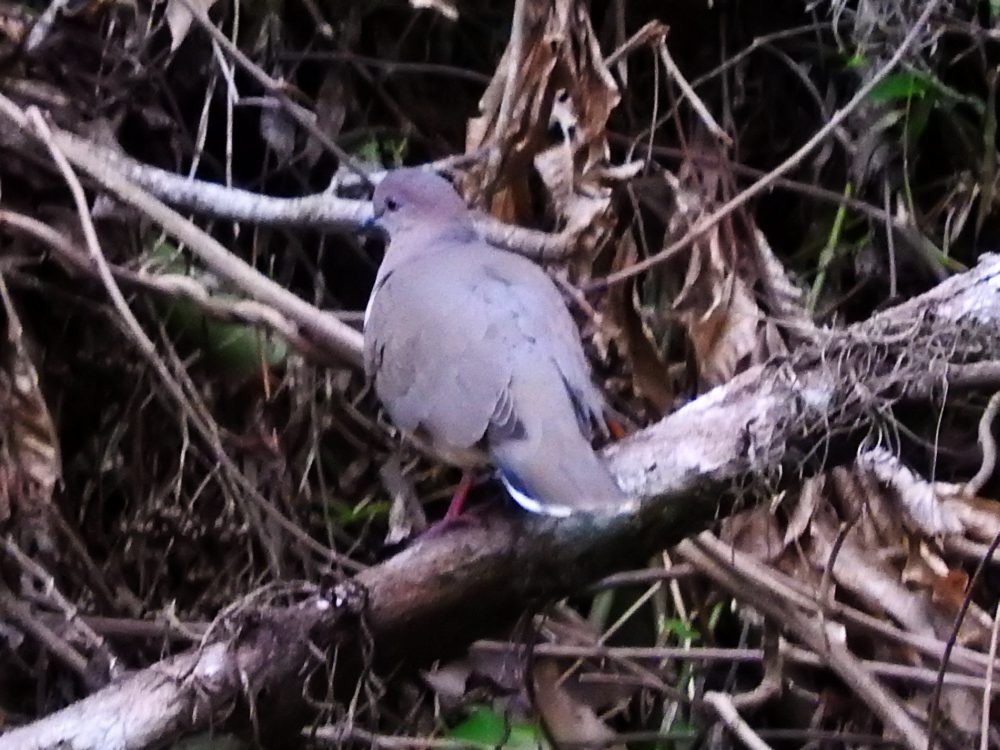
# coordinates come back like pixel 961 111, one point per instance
pixel 391 204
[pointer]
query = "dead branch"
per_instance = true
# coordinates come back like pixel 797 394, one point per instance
pixel 324 211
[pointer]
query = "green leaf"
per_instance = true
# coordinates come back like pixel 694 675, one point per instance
pixel 900 86
pixel 484 726
pixel 916 123
pixel 857 60
pixel 344 515
pixel 714 616
pixel 388 150
pixel 234 349
pixel 368 151
pixel 680 629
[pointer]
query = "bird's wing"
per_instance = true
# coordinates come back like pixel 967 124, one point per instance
pixel 436 344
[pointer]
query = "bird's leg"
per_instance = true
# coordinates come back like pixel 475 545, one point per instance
pixel 453 516
pixel 615 428
pixel 458 499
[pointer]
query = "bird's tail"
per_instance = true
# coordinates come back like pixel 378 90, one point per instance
pixel 557 478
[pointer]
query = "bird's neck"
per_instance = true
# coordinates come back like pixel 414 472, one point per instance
pixel 416 242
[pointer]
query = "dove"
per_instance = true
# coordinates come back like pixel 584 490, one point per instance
pixel 472 350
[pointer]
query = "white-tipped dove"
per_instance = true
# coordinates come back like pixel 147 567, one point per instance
pixel 472 348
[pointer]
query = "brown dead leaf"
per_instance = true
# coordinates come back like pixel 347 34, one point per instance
pixel 715 303
pixel 546 110
pixel 30 464
pixel 406 514
pixel 979 517
pixel 331 111
pixel 755 532
pixel 734 299
pixel 650 375
pixel 805 507
pixel 869 575
pixel 569 720
pixel 720 316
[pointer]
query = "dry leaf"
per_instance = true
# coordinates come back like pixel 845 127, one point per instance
pixel 551 116
pixel 179 19
pixel 406 514
pixel 869 576
pixel 30 464
pixel 650 376
pixel 277 129
pixel 737 303
pixel 569 720
pixel 809 499
pixel 331 111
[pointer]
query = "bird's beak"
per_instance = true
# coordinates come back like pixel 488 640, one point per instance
pixel 372 227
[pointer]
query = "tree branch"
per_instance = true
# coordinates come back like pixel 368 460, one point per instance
pixel 684 469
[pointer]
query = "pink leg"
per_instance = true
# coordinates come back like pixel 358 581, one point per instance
pixel 615 428
pixel 458 499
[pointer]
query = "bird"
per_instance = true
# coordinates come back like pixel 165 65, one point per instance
pixel 472 350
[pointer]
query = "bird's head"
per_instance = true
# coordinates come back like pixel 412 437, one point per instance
pixel 412 200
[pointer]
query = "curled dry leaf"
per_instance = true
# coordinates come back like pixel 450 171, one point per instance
pixel 648 370
pixel 803 510
pixel 867 573
pixel 406 514
pixel 727 289
pixel 873 532
pixel 729 311
pixel 30 463
pixel 719 312
pixel 569 720
pixel 552 115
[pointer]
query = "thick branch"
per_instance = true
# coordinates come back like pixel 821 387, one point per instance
pixel 763 421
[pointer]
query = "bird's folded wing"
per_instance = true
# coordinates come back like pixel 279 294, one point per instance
pixel 445 332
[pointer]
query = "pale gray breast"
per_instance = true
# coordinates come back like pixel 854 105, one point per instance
pixel 446 333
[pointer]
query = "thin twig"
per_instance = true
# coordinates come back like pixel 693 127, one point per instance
pixel 173 285
pixel 55 596
pixel 935 708
pixel 988 446
pixel 340 339
pixel 388 67
pixel 275 88
pixel 650 30
pixel 689 93
pixel 886 706
pixel 984 728
pixel 207 248
pixel 786 166
pixel 19 613
pixel 727 713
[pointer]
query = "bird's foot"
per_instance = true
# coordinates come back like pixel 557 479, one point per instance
pixel 446 525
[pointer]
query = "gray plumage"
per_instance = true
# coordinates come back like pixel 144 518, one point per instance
pixel 471 347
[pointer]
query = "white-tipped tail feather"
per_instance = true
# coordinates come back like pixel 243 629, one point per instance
pixel 530 504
